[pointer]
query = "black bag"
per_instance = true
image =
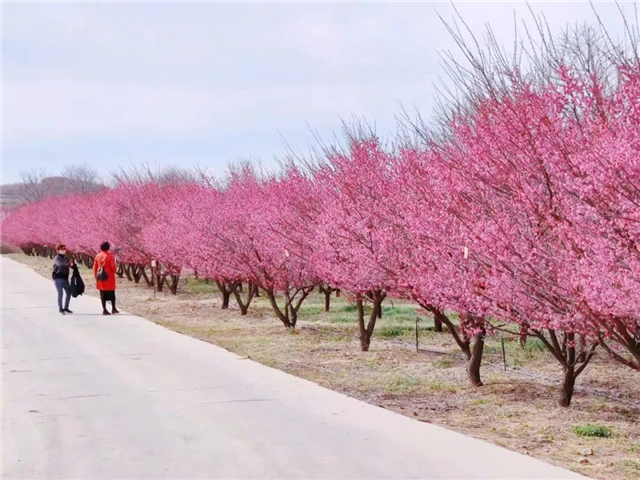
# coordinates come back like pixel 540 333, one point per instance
pixel 102 275
pixel 76 285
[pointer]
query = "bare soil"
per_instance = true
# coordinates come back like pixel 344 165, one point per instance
pixel 516 408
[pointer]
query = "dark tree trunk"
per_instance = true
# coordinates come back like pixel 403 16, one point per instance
pixel 473 366
pixel 566 389
pixel 127 272
pixel 327 300
pixel 366 330
pixel 173 287
pixel 226 294
pixel 289 314
pixel 437 324
pixel 472 352
pixel 236 288
pixel 573 354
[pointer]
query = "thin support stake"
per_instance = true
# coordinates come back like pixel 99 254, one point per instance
pixel 504 355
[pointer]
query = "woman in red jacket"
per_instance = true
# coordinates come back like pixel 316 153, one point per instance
pixel 104 271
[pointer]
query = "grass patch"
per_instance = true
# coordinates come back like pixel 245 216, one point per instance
pixel 310 309
pixel 629 467
pixel 481 401
pixel 347 308
pixel 391 331
pixel 440 386
pixel 443 363
pixel 592 430
pixel 199 286
pixel 404 384
pixel 343 319
pixel 634 448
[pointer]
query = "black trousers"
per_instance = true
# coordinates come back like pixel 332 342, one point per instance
pixel 108 296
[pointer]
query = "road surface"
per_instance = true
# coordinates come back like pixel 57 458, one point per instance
pixel 86 396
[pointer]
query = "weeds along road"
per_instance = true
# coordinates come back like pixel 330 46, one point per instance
pixel 87 396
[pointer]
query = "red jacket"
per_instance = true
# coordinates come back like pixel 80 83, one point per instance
pixel 107 261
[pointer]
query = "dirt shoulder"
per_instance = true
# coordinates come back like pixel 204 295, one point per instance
pixel 516 408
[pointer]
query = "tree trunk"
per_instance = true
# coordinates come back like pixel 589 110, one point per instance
pixel 366 331
pixel 473 365
pixel 327 300
pixel 437 324
pixel 566 389
pixel 243 305
pixel 173 288
pixel 573 354
pixel 365 338
pixel 127 272
pixel 226 296
pixel 226 293
pixel 282 316
pixel 523 341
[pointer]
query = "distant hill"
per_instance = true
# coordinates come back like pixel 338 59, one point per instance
pixel 15 194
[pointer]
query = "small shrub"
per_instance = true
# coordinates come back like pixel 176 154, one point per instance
pixel 592 430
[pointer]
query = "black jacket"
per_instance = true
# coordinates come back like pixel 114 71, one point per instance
pixel 60 268
pixel 76 284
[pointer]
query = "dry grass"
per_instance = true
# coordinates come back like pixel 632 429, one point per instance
pixel 515 411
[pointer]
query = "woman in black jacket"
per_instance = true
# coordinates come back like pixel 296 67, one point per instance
pixel 60 276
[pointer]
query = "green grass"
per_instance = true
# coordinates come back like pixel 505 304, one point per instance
pixel 444 363
pixel 404 384
pixel 200 286
pixel 440 386
pixel 592 430
pixel 391 331
pixel 343 319
pixel 481 401
pixel 309 309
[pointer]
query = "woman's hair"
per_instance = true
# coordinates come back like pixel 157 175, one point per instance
pixel 104 246
pixel 61 246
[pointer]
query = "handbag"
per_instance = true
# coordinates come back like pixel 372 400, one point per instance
pixel 102 275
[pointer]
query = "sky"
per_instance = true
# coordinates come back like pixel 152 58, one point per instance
pixel 111 85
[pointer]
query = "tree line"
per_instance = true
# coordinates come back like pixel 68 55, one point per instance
pixel 518 209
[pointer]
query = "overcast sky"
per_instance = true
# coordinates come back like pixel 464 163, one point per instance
pixel 109 84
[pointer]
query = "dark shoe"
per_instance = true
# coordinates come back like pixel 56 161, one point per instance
pixel 61 311
pixel 67 310
pixel 115 310
pixel 105 312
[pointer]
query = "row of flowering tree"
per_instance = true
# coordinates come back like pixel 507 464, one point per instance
pixel 520 213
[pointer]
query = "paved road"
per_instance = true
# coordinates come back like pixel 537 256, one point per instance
pixel 86 396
